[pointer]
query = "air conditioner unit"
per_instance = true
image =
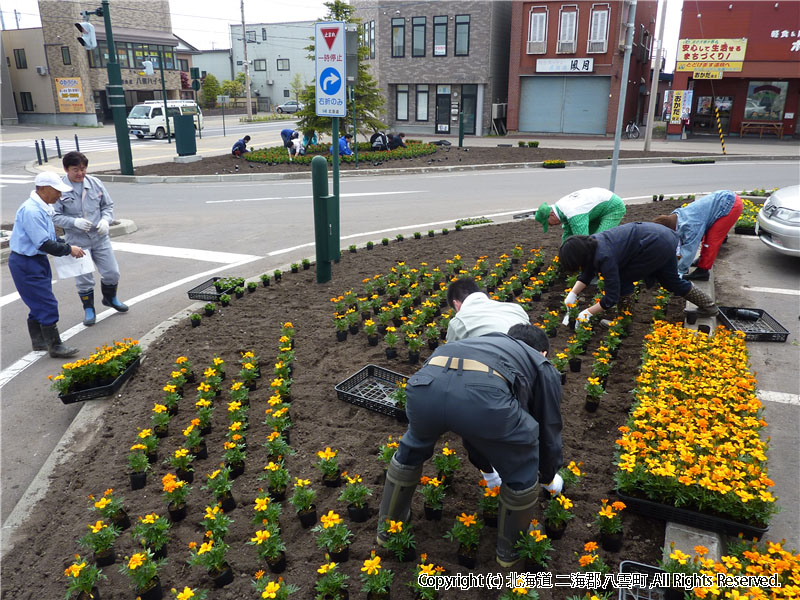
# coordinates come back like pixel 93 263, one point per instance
pixel 270 81
pixel 41 70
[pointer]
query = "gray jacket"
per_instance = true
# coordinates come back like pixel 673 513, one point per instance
pixel 97 204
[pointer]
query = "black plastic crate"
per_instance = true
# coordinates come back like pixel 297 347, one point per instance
pixel 206 291
pixel 763 329
pixel 103 390
pixel 636 592
pixel 371 387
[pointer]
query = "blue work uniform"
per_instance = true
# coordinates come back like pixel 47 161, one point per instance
pixel 344 148
pixel 511 415
pixel 89 200
pixel 286 136
pixel 695 219
pixel 240 146
pixel 635 252
pixel 28 263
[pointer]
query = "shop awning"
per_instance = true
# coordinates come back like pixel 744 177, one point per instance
pixel 141 36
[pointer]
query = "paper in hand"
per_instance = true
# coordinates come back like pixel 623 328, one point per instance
pixel 68 266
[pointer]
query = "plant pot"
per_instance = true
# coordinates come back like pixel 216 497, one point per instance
pixel 563 378
pixel 176 513
pixel 278 276
pixel 379 595
pixel 152 457
pixel 533 566
pixel 121 520
pixel 308 517
pixel 490 519
pixel 153 592
pixel 467 557
pixel 105 557
pixel 210 312
pixel 186 475
pixel 373 340
pixel 173 410
pixel 591 405
pixel 277 495
pixel 385 242
pixel 206 429
pixel 571 323
pixel 552 333
pixel 277 564
pixel 200 452
pixel 93 595
pixel 612 542
pixel 357 514
pixel 239 294
pixel 340 556
pixel 391 353
pixel 341 595
pixel 534 297
pixel 413 357
pixel 227 502
pixel 161 431
pixel 433 514
pixel 236 469
pixel 341 336
pixel 332 480
pixel 160 553
pixel 265 282
pixel 401 415
pixel 225 302
pixel 408 555
pixel 222 577
pixel 353 329
pixel 433 344
pixel 138 480
pixel 554 532
pixel 745 229
pixel 575 365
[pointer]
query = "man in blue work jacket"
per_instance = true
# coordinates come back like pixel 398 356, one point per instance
pixel 32 239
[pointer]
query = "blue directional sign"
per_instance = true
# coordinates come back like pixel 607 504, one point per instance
pixel 330 51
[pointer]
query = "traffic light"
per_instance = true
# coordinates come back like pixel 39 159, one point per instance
pixel 194 72
pixel 148 67
pixel 87 39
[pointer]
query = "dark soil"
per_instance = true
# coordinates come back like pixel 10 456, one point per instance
pixel 48 540
pixel 443 157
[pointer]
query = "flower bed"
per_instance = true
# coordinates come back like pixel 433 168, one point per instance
pixel 692 438
pixel 278 154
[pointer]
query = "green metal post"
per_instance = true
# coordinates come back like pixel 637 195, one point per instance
pixel 460 129
pixel 334 217
pixel 164 92
pixel 355 131
pixel 322 226
pixel 116 98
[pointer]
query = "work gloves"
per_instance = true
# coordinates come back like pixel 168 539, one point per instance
pixel 555 486
pixel 102 227
pixel 571 298
pixel 82 224
pixel 584 315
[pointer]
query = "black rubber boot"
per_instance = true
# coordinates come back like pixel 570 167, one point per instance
pixel 705 305
pixel 697 275
pixel 89 316
pixel 514 516
pixel 398 492
pixel 110 298
pixel 35 331
pixel 55 346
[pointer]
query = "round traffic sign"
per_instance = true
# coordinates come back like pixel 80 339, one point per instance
pixel 330 81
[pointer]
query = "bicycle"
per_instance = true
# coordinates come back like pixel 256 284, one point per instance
pixel 632 130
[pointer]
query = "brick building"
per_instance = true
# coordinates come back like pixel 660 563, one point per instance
pixel 55 80
pixel 565 63
pixel 758 92
pixel 435 59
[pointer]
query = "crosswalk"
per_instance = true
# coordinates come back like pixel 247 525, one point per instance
pixel 68 145
pixel 15 179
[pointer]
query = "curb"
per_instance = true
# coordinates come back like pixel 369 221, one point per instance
pixel 401 171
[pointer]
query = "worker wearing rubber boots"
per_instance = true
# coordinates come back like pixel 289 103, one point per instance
pixel 504 398
pixel 85 213
pixel 624 254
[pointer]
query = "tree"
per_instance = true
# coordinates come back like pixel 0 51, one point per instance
pixel 210 91
pixel 297 85
pixel 369 99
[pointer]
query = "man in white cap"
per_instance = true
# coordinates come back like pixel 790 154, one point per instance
pixel 32 239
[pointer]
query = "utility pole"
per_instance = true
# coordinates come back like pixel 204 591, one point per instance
pixel 16 17
pixel 651 113
pixel 623 91
pixel 164 92
pixel 246 68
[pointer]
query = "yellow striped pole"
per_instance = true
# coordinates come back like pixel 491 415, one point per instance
pixel 719 128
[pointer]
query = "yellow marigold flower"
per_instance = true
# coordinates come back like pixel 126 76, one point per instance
pixel 75 570
pixel 447 451
pixel 261 504
pixel 426 569
pixel 607 512
pixel 214 474
pixel 188 430
pixel 159 408
pixel 272 436
pixel 301 482
pixel 203 403
pixel 180 360
pixel 261 536
pixel 136 561
pixel 206 547
pixel 235 426
pixel 102 503
pixel 520 591
pixel 181 452
pixel 203 387
pixel 587 559
pixel 138 447
pixel 327 454
pixel 326 567
pixel 234 405
pixel 237 386
pixel 681 557
pixel 212 512
pixel 330 520
pixel 271 466
pixel 467 520
pixel 259 574
pixel 149 519
pixel 565 502
pixel 145 433
pixel 186 594
pixel 97 527
pixel 271 591
pixel 618 505
pixel 372 565
pixel 590 546
pixel 395 526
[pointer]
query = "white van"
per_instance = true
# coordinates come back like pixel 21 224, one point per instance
pixel 148 118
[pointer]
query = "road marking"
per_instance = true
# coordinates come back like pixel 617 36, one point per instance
pixel 764 290
pixel 781 397
pixel 352 195
pixel 28 359
pixel 190 253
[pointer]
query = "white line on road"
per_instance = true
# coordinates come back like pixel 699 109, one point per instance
pixel 190 253
pixel 353 195
pixel 781 397
pixel 764 290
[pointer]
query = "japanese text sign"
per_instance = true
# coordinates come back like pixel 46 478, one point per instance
pixel 716 55
pixel 329 48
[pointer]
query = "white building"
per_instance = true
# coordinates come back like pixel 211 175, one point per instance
pixel 214 62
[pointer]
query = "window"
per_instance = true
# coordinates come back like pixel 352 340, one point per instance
pixel 264 34
pixel 19 58
pixel 418 36
pixel 567 28
pixel 285 93
pixel 65 56
pixel 122 56
pixel 398 38
pixel 402 102
pixel 462 35
pixel 645 43
pixel 26 100
pixel 372 39
pixel 169 58
pixel 440 36
pixel 251 36
pixel 422 103
pixel 283 64
pixel 183 64
pixel 203 74
pixel 537 30
pixel 598 29
pixel 157 112
pixel 765 100
pixel 260 64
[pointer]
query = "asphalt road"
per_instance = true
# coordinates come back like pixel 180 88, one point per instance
pixel 189 232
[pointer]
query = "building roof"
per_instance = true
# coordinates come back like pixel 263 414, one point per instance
pixel 184 46
pixel 125 34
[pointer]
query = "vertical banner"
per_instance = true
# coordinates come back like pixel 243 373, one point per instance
pixel 677 105
pixel 70 95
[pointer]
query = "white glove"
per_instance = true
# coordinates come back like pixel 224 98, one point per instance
pixel 571 298
pixel 555 486
pixel 82 224
pixel 102 227
pixel 584 315
pixel 565 322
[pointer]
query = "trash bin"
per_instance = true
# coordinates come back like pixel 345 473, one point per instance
pixel 184 135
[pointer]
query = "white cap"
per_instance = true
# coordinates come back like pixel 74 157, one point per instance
pixel 51 179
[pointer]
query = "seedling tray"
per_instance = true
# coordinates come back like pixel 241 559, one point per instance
pixel 685 516
pixel 103 390
pixel 637 592
pixel 764 329
pixel 206 291
pixel 371 387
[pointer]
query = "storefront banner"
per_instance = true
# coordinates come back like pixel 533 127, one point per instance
pixel 681 106
pixel 709 66
pixel 560 65
pixel 69 92
pixel 706 74
pixel 716 50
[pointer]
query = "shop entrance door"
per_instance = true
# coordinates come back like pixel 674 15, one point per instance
pixel 469 102
pixel 443 109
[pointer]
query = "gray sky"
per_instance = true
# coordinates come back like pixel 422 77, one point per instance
pixel 204 23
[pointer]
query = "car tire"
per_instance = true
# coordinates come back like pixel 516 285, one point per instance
pixel 279 110
pixel 140 136
pixel 160 133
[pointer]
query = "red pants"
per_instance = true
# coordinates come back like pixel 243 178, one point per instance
pixel 715 235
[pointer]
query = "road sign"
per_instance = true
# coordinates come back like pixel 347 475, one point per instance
pixel 329 46
pixel 196 85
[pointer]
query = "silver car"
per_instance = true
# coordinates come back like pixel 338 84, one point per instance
pixel 292 106
pixel 778 222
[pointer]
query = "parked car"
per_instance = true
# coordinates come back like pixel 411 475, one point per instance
pixel 147 118
pixel 292 106
pixel 778 222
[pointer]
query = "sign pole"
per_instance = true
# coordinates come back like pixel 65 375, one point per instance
pixel 223 119
pixel 164 92
pixel 623 90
